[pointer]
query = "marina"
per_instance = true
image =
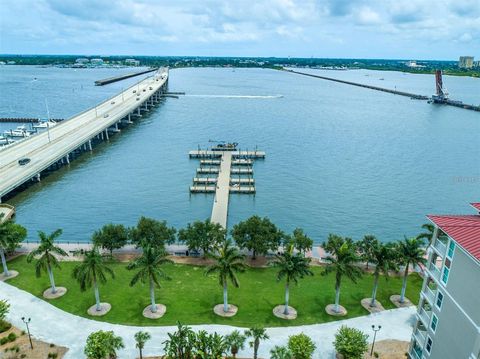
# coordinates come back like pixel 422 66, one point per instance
pixel 229 161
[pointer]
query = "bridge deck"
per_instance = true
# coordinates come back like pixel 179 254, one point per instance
pixel 71 134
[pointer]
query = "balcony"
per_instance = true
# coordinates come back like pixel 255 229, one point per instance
pixel 420 336
pixel 440 245
pixel 416 353
pixel 429 294
pixel 434 271
pixel 425 317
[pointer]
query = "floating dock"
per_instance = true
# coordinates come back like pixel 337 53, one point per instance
pixel 26 120
pixel 224 164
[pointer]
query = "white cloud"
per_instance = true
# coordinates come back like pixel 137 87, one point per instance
pixel 218 27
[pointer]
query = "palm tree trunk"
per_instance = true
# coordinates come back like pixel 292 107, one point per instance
pixel 153 308
pixel 52 281
pixel 374 292
pixel 4 263
pixel 97 295
pixel 287 294
pixel 404 285
pixel 255 348
pixel 337 295
pixel 141 356
pixel 225 297
pixel 254 256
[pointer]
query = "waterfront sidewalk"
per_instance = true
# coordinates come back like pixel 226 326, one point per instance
pixel 53 325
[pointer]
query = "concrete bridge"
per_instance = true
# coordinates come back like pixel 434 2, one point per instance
pixel 59 143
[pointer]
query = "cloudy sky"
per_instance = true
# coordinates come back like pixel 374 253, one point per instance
pixel 404 29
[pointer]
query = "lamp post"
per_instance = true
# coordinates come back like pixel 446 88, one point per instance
pixel 48 120
pixel 26 321
pixel 375 330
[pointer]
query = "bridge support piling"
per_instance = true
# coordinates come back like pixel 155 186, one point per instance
pixel 138 111
pixel 106 134
pixel 90 145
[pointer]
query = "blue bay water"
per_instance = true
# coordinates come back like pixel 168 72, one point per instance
pixel 340 159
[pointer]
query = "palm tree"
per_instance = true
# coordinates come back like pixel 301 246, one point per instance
pixel 149 269
pixel 46 251
pixel 228 262
pixel 365 247
pixel 11 234
pixel 384 258
pixel 257 334
pixel 429 228
pixel 291 267
pixel 410 251
pixel 236 342
pixel 140 339
pixel 92 271
pixel 342 262
pixel 181 344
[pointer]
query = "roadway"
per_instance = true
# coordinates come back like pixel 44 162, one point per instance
pixel 71 134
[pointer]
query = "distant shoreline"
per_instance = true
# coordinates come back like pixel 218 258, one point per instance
pixel 449 68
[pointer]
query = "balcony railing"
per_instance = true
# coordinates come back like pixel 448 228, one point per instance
pixel 429 294
pixel 435 271
pixel 416 353
pixel 420 336
pixel 425 317
pixel 440 247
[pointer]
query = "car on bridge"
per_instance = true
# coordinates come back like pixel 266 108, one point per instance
pixel 23 161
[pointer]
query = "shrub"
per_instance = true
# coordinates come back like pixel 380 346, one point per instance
pixel 101 345
pixel 301 346
pixel 52 355
pixel 351 342
pixel 8 339
pixel 4 308
pixel 4 326
pixel 280 353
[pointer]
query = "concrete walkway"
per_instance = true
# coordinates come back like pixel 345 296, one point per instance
pixel 53 325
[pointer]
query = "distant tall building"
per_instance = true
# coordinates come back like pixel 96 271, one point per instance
pixel 132 62
pixel 96 61
pixel 465 62
pixel 448 317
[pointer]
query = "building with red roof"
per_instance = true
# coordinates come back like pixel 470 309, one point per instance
pixel 448 316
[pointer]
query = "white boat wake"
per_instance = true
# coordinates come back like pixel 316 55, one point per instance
pixel 237 96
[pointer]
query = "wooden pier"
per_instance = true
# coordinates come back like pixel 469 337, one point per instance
pixel 224 164
pixel 123 77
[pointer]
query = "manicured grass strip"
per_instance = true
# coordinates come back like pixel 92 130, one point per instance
pixel 190 296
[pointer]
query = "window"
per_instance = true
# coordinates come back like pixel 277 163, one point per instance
pixel 434 323
pixel 446 270
pixel 451 249
pixel 429 345
pixel 439 300
pixel 445 275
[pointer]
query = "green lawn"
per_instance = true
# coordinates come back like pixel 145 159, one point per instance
pixel 190 296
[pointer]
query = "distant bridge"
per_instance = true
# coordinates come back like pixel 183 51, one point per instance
pixel 52 148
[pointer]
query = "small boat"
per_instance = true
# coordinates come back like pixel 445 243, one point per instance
pixel 20 131
pixel 225 147
pixel 45 124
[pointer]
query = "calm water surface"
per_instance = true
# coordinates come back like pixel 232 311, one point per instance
pixel 340 159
